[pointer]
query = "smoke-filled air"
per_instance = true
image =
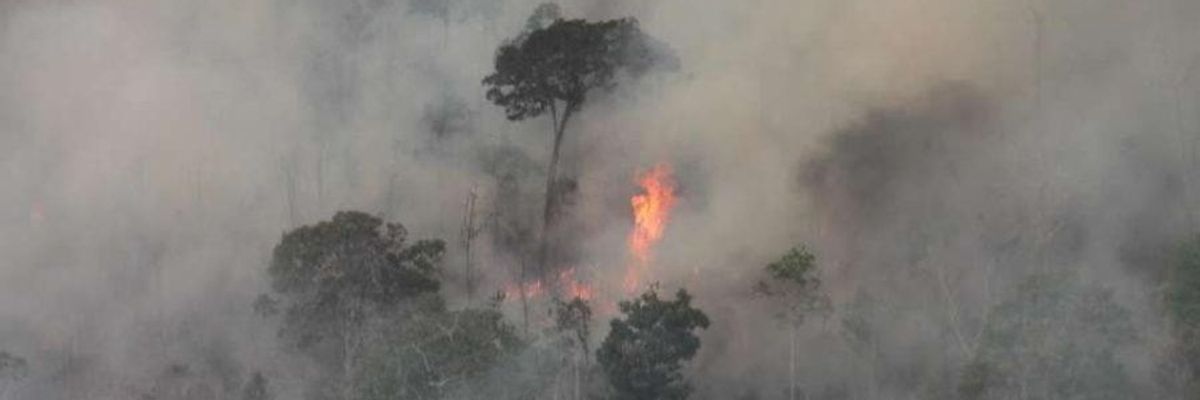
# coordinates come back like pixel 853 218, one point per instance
pixel 599 199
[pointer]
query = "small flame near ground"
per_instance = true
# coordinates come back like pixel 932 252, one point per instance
pixel 527 289
pixel 571 286
pixel 651 210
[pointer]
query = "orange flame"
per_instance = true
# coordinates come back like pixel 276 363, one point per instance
pixel 650 213
pixel 575 288
pixel 527 289
pixel 571 287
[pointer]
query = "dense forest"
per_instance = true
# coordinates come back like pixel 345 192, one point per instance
pixel 609 199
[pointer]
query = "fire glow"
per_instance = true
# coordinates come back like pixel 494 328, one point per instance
pixel 575 288
pixel 651 210
pixel 571 287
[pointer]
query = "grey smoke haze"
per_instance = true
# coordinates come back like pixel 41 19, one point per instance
pixel 152 152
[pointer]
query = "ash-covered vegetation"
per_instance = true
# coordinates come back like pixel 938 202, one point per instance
pixel 678 199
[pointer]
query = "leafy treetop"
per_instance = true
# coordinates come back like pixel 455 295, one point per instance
pixel 574 317
pixel 794 279
pixel 330 275
pixel 643 353
pixel 565 60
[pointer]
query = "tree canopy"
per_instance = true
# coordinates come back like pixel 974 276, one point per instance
pixel 644 353
pixel 436 353
pixel 552 66
pixel 563 61
pixel 793 280
pixel 334 277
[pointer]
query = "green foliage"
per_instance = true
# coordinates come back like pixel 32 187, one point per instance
pixel 644 353
pixel 1182 302
pixel 797 267
pixel 362 300
pixel 1183 287
pixel 332 274
pixel 564 60
pixel 435 353
pixel 559 61
pixel 1054 339
pixel 574 318
pixel 794 280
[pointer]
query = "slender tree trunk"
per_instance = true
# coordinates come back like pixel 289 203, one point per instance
pixel 289 174
pixel 577 380
pixel 347 362
pixel 521 290
pixel 551 175
pixel 468 233
pixel 792 363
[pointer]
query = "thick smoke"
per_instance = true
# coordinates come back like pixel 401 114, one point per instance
pixel 932 153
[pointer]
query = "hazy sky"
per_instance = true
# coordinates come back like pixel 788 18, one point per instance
pixel 152 152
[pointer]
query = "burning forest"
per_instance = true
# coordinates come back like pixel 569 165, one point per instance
pixel 628 200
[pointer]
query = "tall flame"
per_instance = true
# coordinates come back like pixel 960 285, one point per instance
pixel 651 209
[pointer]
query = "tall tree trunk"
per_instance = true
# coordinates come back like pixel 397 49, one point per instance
pixel 576 397
pixel 289 174
pixel 347 362
pixel 792 363
pixel 469 232
pixel 521 290
pixel 551 175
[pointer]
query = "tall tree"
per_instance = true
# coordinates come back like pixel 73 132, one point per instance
pixel 554 65
pixel 643 354
pixel 573 320
pixel 792 282
pixel 332 278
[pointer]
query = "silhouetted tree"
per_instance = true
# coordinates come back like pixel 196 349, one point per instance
pixel 573 320
pixel 643 353
pixel 793 284
pixel 554 64
pixel 333 277
pixel 574 317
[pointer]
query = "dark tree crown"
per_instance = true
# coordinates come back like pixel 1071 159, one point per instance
pixel 337 270
pixel 643 354
pixel 565 60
